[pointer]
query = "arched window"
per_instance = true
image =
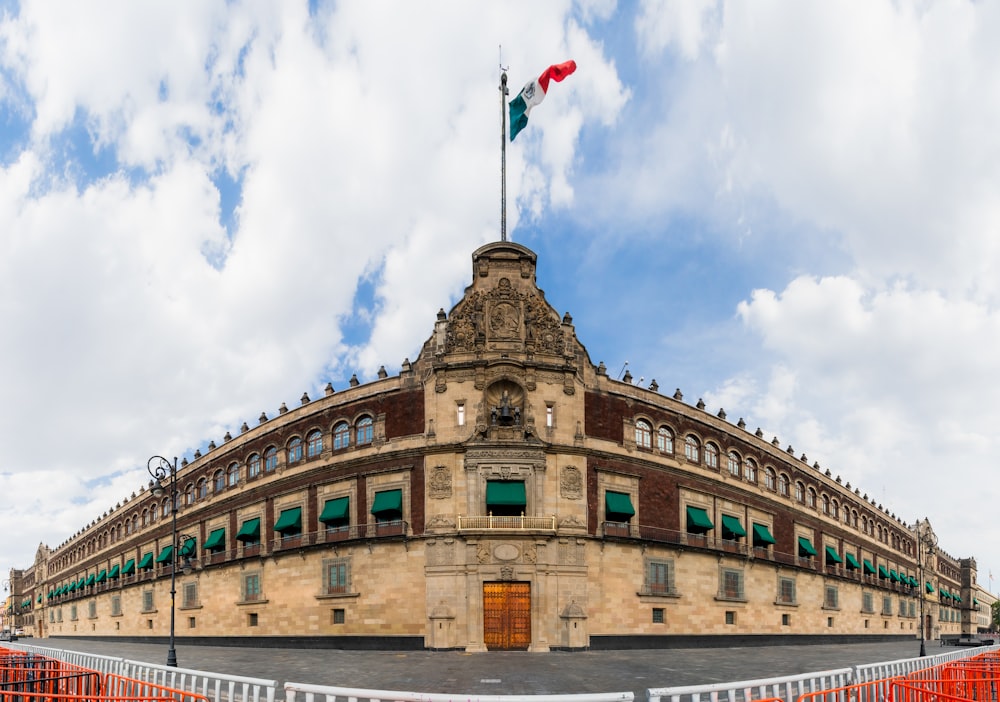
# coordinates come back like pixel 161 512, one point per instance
pixel 665 440
pixel 826 504
pixel 643 434
pixel 750 470
pixel 202 489
pixel 270 460
pixel 691 447
pixel 253 466
pixel 145 517
pixel 189 493
pixel 128 527
pixel 218 481
pixel 733 462
pixel 314 443
pixel 854 518
pixel 341 436
pixel 166 508
pixel 811 498
pixel 364 431
pixel 233 474
pixel 153 509
pixel 800 491
pixel 770 479
pixel 135 523
pixel 783 485
pixel 835 509
pixel 712 456
pixel 295 450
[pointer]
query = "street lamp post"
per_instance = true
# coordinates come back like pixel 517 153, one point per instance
pixel 160 469
pixel 925 539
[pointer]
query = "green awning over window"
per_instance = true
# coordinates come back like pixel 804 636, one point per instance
pixel 762 535
pixel 958 598
pixel 698 520
pixel 102 576
pixel 189 549
pixel 250 531
pixel 165 555
pixel 930 588
pixel 80 583
pixel 392 500
pixel 289 520
pixel 882 572
pixel 90 579
pixel 805 547
pixel 893 575
pixel 869 569
pixel 147 561
pixel 618 506
pixel 336 510
pixel 731 528
pixel 832 556
pixel 216 540
pixel 115 571
pixel 498 492
pixel 852 562
pixel 129 567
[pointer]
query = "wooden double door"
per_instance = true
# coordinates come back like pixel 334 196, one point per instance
pixel 507 616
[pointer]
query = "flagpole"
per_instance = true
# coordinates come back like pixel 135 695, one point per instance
pixel 503 154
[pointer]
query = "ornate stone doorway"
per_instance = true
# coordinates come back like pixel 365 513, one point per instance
pixel 507 616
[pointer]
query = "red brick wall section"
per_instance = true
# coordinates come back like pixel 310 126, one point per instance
pixel 603 416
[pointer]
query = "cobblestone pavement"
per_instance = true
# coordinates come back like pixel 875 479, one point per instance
pixel 507 673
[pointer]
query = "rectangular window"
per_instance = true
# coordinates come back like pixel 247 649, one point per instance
pixel 657 615
pixel 913 609
pixel 831 600
pixel 786 620
pixel 72 613
pixel 191 622
pixel 147 600
pixel 252 619
pixel 190 596
pixel 339 616
pixel 867 604
pixel 251 588
pixel 887 605
pixel 116 606
pixel 902 607
pixel 461 414
pixel 786 591
pixel 92 610
pixel 731 618
pixel 337 576
pixel 731 584
pixel 829 622
pixel 660 577
pixel 550 415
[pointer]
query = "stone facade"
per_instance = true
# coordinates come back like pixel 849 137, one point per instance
pixel 501 492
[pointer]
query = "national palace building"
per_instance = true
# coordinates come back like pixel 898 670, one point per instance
pixel 501 492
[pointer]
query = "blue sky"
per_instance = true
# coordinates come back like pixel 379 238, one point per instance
pixel 785 209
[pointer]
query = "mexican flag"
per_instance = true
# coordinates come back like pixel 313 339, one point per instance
pixel 533 93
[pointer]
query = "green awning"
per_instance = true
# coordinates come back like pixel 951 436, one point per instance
pixel 852 562
pixel 250 531
pixel 189 549
pixel 392 500
pixel 832 556
pixel 72 587
pixel 806 547
pixel 914 582
pixel 102 576
pixel 882 572
pixel 958 598
pixel 893 575
pixel 216 541
pixel 147 561
pixel 498 492
pixel 289 520
pixel 80 583
pixel 731 528
pixel 869 569
pixel 618 506
pixel 90 580
pixel 930 588
pixel 336 510
pixel 944 592
pixel 129 567
pixel 115 571
pixel 166 555
pixel 698 520
pixel 762 536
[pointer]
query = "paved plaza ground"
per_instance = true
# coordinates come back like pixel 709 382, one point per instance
pixel 507 673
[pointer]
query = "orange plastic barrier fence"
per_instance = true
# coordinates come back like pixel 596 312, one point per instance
pixel 26 677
